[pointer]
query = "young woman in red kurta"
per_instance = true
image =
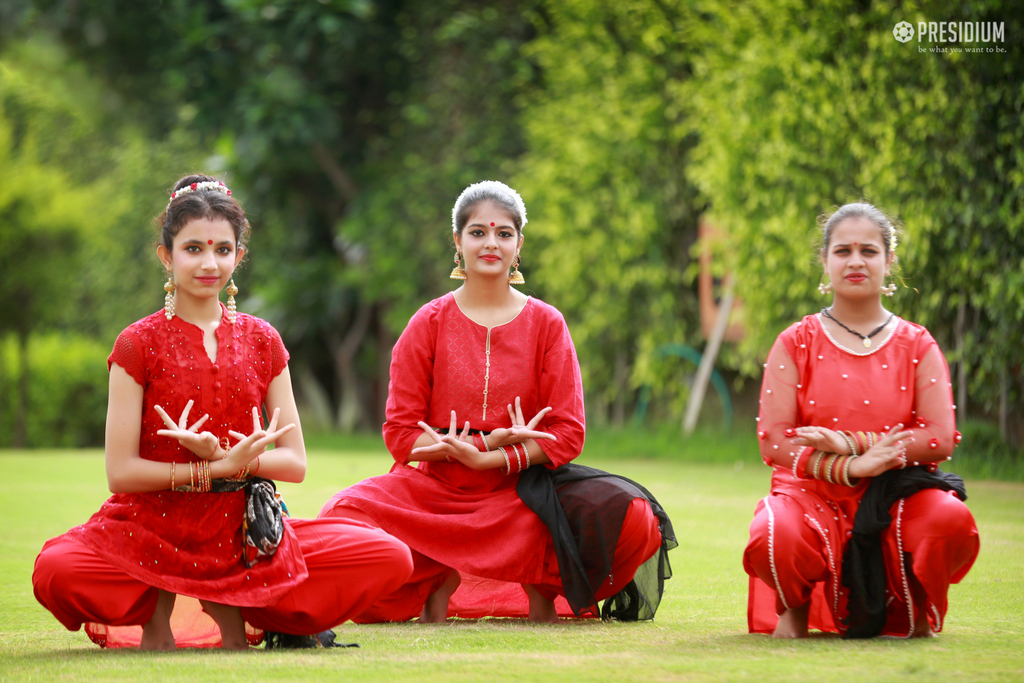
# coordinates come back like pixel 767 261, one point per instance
pixel 164 532
pixel 856 405
pixel 475 364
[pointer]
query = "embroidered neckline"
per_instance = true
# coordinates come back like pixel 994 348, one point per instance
pixel 510 320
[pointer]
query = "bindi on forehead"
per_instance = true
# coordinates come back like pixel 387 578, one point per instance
pixel 492 224
pixel 209 241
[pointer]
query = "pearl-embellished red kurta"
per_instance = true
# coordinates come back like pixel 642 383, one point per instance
pixel 799 531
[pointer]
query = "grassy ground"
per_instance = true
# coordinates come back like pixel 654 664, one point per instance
pixel 699 635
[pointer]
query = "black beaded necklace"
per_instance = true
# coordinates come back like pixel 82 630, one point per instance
pixel 867 337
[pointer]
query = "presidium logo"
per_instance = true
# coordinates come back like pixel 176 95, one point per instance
pixel 903 31
pixel 962 33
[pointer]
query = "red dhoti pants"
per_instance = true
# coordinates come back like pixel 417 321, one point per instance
pixel 349 564
pixel 794 558
pixel 477 597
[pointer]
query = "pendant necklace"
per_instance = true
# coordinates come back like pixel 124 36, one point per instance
pixel 866 338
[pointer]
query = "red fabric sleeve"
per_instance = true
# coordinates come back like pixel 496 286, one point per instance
pixel 561 387
pixel 935 432
pixel 127 355
pixel 779 414
pixel 278 353
pixel 411 384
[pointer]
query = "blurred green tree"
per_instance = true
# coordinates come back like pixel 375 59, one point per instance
pixel 604 174
pixel 72 226
pixel 369 112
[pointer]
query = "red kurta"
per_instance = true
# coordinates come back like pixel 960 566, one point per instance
pixel 799 531
pixel 192 544
pixel 473 521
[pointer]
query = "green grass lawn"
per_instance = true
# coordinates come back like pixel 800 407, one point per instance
pixel 699 635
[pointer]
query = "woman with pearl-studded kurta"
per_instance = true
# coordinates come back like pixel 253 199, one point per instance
pixel 861 533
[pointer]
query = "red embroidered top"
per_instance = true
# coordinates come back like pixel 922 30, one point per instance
pixel 192 543
pixel 444 361
pixel 812 380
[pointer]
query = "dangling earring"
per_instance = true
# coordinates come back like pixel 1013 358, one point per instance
pixel 890 288
pixel 458 273
pixel 169 287
pixel 232 290
pixel 516 278
pixel 824 287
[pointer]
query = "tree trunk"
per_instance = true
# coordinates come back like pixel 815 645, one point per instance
pixel 385 343
pixel 961 364
pixel 621 383
pixel 351 413
pixel 707 361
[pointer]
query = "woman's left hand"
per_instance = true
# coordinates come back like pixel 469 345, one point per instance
pixel 521 430
pixel 454 446
pixel 204 444
pixel 822 439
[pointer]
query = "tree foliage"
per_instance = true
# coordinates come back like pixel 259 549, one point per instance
pixel 801 107
pixel 604 176
pixel 348 127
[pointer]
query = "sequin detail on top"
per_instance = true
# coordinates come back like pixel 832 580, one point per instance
pixel 192 543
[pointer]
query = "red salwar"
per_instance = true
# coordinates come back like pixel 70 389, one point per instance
pixel 799 531
pixel 106 573
pixel 455 518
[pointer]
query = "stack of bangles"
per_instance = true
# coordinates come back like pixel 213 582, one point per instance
pixel 202 474
pixel 832 467
pixel 245 473
pixel 519 461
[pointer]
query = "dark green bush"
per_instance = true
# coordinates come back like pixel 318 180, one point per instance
pixel 67 398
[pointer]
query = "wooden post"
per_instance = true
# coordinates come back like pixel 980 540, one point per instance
pixel 707 360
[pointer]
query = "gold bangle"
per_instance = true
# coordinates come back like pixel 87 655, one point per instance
pixel 817 464
pixel 849 442
pixel 508 463
pixel 483 437
pixel 527 451
pixel 846 472
pixel 827 474
pixel 172 475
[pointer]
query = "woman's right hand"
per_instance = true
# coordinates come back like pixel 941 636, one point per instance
pixel 888 454
pixel 203 444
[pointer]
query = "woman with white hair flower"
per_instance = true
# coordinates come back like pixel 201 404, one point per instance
pixel 486 395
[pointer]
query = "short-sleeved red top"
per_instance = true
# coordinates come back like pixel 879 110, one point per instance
pixel 192 543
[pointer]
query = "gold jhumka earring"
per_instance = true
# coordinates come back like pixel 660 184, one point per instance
pixel 232 291
pixel 824 287
pixel 169 287
pixel 458 272
pixel 516 278
pixel 890 288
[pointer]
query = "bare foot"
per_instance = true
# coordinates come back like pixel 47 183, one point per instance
pixel 156 634
pixel 922 627
pixel 435 610
pixel 542 610
pixel 793 623
pixel 229 621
